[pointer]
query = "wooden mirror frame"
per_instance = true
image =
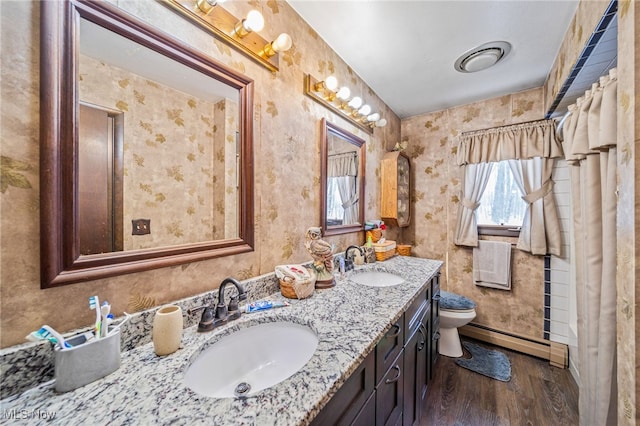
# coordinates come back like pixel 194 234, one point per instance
pixel 61 262
pixel 329 129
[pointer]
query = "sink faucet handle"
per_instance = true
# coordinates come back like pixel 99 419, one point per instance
pixel 233 303
pixel 206 320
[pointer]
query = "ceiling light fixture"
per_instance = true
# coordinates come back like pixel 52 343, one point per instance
pixel 482 57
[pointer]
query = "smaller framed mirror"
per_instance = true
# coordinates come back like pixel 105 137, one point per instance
pixel 342 177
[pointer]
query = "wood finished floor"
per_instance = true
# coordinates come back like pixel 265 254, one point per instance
pixel 537 394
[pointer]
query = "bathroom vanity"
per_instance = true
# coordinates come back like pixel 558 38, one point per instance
pixel 376 346
pixel 390 386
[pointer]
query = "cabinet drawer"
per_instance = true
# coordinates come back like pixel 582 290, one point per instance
pixel 389 347
pixel 347 403
pixel 416 312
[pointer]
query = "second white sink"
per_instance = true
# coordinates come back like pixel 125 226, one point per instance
pixel 377 278
pixel 251 359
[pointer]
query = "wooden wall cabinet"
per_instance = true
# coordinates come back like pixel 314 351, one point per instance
pixel 395 202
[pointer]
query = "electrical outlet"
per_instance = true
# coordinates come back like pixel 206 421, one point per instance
pixel 141 226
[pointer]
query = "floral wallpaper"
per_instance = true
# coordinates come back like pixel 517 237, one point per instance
pixel 286 165
pixel 287 184
pixel 170 164
pixel 432 145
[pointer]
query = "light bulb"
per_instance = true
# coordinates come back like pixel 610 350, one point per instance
pixel 254 21
pixel 373 117
pixel 364 110
pixel 343 93
pixel 206 6
pixel 355 102
pixel 381 123
pixel 282 43
pixel 331 83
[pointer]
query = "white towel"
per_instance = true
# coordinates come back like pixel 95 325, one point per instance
pixel 492 264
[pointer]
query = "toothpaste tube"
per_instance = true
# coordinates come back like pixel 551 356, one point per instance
pixel 262 305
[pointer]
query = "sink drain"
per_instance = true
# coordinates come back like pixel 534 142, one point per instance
pixel 242 389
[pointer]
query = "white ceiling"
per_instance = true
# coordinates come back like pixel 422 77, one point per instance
pixel 405 50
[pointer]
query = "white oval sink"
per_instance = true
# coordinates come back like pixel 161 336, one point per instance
pixel 377 278
pixel 251 359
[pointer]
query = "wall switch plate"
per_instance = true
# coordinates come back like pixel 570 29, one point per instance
pixel 141 226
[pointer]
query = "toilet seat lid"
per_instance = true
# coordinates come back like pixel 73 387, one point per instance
pixel 455 302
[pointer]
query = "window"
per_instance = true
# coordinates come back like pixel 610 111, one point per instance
pixel 501 204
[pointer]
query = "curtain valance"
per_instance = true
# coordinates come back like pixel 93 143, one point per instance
pixel 518 141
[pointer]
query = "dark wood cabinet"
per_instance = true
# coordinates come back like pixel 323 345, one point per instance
pixel 390 386
pixel 434 330
pixel 351 405
pixel 390 394
pixel 416 362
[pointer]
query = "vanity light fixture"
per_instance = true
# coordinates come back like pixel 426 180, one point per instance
pixel 241 34
pixel 206 6
pixel 282 43
pixel 343 94
pixel 253 22
pixel 352 109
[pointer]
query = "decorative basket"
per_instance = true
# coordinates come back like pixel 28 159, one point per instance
pixel 376 234
pixel 404 249
pixel 297 288
pixel 385 250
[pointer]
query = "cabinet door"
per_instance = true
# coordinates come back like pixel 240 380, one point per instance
pixel 415 374
pixel 390 395
pixel 367 415
pixel 434 329
pixel 348 402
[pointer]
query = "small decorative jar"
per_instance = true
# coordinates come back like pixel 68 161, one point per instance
pixel 167 330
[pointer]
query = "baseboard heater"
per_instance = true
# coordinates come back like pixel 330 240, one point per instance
pixel 556 353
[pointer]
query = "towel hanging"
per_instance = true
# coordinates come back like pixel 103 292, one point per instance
pixel 492 264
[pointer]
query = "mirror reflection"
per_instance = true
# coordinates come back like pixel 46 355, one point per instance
pixel 343 180
pixel 146 148
pixel 158 141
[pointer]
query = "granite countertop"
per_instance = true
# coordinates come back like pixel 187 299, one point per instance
pixel 349 319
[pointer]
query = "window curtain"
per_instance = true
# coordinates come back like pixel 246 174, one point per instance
pixel 344 169
pixel 475 181
pixel 590 135
pixel 536 146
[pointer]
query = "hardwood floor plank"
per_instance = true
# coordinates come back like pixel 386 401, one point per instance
pixel 537 395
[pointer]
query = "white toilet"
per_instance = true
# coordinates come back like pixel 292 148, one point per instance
pixel 455 311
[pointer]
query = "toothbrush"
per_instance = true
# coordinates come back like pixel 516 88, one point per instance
pixel 48 333
pixel 105 309
pixel 94 303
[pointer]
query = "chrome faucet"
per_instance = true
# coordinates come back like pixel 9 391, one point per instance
pixel 348 260
pixel 223 313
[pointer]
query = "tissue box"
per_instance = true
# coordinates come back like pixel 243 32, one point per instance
pixel 86 361
pixel 385 250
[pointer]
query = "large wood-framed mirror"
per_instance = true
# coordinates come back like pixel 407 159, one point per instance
pixel 146 148
pixel 342 169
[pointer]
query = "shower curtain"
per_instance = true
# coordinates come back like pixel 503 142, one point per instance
pixel 344 169
pixel 590 148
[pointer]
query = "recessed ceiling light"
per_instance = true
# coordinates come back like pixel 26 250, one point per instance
pixel 482 57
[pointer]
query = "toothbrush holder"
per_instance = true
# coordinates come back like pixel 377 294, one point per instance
pixel 86 361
